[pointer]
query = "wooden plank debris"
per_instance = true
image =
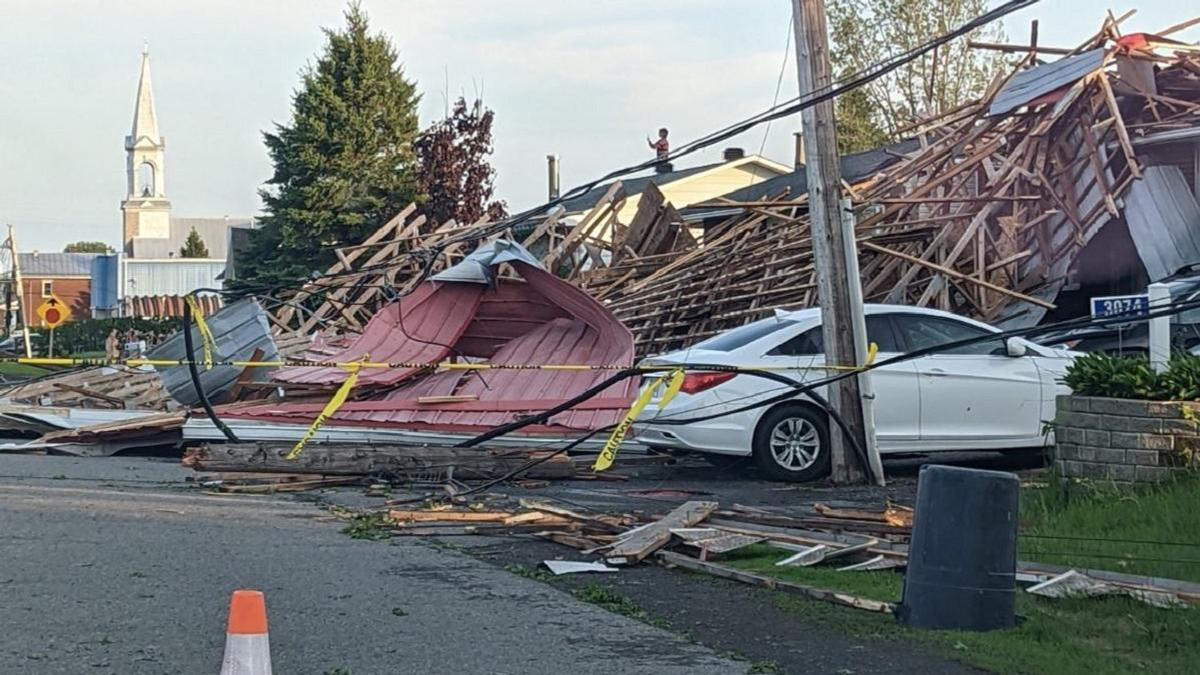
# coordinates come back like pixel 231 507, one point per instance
pixel 834 597
pixel 646 540
pixel 362 459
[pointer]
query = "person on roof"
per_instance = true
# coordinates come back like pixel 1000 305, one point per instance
pixel 661 147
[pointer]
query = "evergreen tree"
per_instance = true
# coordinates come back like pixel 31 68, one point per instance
pixel 193 246
pixel 453 172
pixel 345 163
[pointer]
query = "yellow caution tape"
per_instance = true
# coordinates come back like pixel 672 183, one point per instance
pixel 206 336
pixel 339 397
pixel 673 381
pixel 872 350
pixel 380 365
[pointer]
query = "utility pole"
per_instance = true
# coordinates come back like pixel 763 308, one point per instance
pixel 829 238
pixel 12 246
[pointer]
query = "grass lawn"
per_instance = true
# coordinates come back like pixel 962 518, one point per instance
pixel 13 370
pixel 1093 636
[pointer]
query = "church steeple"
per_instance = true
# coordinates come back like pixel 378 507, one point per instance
pixel 145 210
pixel 145 119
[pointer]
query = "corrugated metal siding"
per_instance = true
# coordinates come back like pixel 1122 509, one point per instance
pixel 1028 85
pixel 238 331
pixel 170 277
pixel 1164 221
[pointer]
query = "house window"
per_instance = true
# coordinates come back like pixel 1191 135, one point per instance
pixel 47 289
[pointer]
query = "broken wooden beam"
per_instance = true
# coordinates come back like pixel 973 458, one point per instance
pixel 824 595
pixel 643 541
pixel 355 460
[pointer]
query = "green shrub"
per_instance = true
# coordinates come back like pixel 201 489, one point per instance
pixel 1181 381
pixel 1132 377
pixel 1099 374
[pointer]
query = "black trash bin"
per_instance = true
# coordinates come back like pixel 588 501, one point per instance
pixel 963 557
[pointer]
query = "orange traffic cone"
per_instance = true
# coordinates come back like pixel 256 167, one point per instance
pixel 247 649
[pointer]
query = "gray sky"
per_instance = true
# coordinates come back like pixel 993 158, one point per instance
pixel 585 80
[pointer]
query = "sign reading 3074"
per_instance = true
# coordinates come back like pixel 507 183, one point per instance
pixel 1121 305
pixel 53 312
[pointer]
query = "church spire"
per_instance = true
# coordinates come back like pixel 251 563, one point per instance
pixel 145 119
pixel 145 209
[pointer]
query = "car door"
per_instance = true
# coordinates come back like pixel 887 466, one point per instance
pixel 897 395
pixel 974 396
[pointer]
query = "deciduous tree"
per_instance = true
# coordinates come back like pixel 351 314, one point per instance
pixel 454 175
pixel 86 247
pixel 862 32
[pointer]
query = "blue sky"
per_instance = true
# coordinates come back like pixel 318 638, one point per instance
pixel 585 80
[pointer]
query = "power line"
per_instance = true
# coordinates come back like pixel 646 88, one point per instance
pixel 788 108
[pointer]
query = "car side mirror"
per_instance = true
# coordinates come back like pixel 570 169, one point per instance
pixel 1015 348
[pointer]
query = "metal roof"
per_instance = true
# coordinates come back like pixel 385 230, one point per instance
pixel 214 232
pixel 238 330
pixel 57 264
pixel 1164 221
pixel 1028 85
pixel 631 186
pixel 855 166
pixel 540 320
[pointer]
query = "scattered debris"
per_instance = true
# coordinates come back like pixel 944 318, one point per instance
pixel 560 567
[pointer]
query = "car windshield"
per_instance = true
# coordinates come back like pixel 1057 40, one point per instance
pixel 740 337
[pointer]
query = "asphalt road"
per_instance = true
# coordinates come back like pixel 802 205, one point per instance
pixel 109 566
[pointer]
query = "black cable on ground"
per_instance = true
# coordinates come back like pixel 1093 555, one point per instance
pixel 190 353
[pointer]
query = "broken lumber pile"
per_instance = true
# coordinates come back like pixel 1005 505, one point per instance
pixel 396 461
pixel 101 387
pixel 985 216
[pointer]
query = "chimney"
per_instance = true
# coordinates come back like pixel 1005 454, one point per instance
pixel 799 149
pixel 734 153
pixel 552 175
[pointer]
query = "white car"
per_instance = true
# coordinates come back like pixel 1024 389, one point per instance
pixel 991 395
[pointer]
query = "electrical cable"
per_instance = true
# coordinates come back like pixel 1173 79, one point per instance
pixel 785 109
pixel 194 371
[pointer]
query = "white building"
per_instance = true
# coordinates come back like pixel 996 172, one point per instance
pixel 152 265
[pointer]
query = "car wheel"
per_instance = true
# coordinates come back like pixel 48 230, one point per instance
pixel 791 443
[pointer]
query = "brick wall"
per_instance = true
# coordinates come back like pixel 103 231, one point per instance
pixel 74 292
pixel 1125 441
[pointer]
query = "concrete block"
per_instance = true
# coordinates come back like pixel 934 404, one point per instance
pixel 1167 408
pixel 1137 425
pixel 1071 435
pixel 1118 406
pixel 1097 438
pixel 1070 403
pixel 1121 472
pixel 1110 455
pixel 1142 457
pixel 1124 439
pixel 1077 419
pixel 1180 427
pixel 1121 439
pixel 1066 451
pixel 1152 474
pixel 1072 469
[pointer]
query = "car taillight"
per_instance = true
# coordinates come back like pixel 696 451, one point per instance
pixel 694 383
